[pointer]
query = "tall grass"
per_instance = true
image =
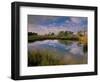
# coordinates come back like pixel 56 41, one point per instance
pixel 45 58
pixel 84 40
pixel 41 58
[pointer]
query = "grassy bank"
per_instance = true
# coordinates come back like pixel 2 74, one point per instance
pixel 45 58
pixel 36 38
pixel 41 58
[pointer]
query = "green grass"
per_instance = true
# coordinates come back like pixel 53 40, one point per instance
pixel 41 58
pixel 45 58
pixel 35 38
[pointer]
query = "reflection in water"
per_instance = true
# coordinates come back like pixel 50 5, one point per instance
pixel 67 50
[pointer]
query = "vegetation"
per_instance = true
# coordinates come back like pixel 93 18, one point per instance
pixel 62 35
pixel 81 36
pixel 41 58
pixel 45 58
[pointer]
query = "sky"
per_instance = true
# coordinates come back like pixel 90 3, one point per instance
pixel 43 24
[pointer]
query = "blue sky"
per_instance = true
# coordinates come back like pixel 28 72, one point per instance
pixel 43 24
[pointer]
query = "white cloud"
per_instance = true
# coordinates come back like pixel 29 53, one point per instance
pixel 75 20
pixel 44 30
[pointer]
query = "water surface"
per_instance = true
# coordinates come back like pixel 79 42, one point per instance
pixel 67 50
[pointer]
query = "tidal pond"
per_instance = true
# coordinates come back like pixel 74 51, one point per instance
pixel 56 52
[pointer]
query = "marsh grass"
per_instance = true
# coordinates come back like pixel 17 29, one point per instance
pixel 41 58
pixel 36 38
pixel 45 58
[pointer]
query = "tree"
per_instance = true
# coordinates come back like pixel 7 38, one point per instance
pixel 65 33
pixel 32 33
pixel 80 33
pixel 61 33
pixel 51 34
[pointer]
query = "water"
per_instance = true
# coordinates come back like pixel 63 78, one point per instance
pixel 67 49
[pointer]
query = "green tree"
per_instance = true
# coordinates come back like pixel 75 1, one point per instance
pixel 32 33
pixel 61 33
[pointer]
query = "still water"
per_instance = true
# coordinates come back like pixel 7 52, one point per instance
pixel 69 49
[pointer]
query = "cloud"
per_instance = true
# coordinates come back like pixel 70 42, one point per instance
pixel 75 20
pixel 38 19
pixel 44 30
pixel 45 24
